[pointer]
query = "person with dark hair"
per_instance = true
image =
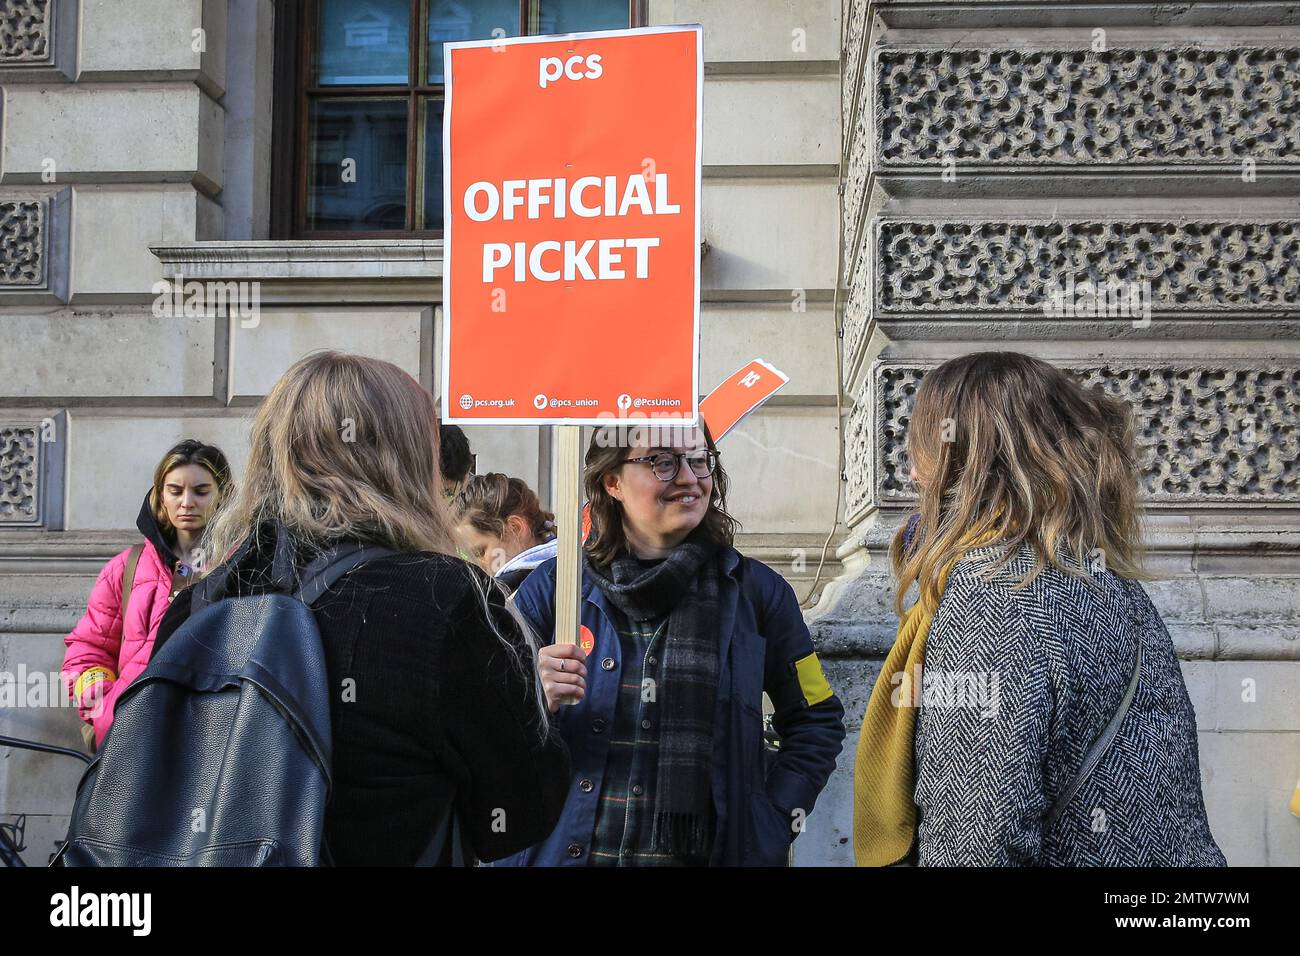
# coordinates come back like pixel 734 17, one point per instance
pixel 1032 711
pixel 114 639
pixel 681 636
pixel 454 458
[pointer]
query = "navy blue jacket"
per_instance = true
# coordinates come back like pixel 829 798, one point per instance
pixel 761 798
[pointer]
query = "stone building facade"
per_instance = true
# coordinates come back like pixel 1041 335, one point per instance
pixel 885 185
pixel 129 156
pixel 997 152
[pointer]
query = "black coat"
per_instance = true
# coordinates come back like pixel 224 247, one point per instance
pixel 426 702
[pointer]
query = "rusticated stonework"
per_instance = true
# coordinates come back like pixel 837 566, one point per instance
pixel 1206 434
pixel 25 31
pixel 895 394
pixel 19 474
pixel 855 30
pixel 955 266
pixel 1119 106
pixel 22 232
pixel 857 181
pixel 856 318
pixel 858 449
pixel 855 117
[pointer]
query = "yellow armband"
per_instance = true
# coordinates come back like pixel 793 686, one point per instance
pixel 812 682
pixel 88 678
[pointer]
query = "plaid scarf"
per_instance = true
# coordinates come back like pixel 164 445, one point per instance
pixel 685 587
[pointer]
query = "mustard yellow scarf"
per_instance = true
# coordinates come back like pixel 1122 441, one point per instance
pixel 884 814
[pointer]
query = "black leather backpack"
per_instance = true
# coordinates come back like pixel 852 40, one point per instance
pixel 220 752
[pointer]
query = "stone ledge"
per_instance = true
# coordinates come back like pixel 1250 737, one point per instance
pixel 46 576
pixel 1269 534
pixel 343 259
pixel 1227 586
pixel 1209 617
pixel 768 68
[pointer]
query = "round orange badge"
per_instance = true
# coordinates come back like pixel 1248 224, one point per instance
pixel 586 639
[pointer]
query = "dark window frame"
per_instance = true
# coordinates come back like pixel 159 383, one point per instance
pixel 291 120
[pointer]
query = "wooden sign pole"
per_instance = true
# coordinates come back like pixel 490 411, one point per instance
pixel 567 446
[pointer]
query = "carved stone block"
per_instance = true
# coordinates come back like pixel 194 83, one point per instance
pixel 25 27
pixel 32 464
pixel 858 451
pixel 1066 107
pixel 931 267
pixel 35 245
pixel 20 470
pixel 22 243
pixel 38 40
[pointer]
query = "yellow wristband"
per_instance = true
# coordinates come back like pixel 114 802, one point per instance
pixel 89 677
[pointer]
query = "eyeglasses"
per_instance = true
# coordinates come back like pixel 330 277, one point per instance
pixel 665 465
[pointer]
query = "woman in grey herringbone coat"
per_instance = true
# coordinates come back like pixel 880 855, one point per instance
pixel 1032 711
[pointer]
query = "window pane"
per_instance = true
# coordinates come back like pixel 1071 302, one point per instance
pixel 431 203
pixel 581 16
pixel 358 164
pixel 450 20
pixel 362 43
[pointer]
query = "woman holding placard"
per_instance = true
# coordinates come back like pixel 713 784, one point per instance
pixel 681 636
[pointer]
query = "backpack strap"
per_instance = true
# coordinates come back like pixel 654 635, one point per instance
pixel 128 576
pixel 1099 746
pixel 313 581
pixel 317 577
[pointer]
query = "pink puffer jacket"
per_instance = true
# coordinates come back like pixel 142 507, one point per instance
pixel 102 639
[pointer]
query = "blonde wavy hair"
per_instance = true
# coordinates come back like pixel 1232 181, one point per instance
pixel 1011 450
pixel 346 447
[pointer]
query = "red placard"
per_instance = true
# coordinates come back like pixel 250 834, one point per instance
pixel 739 395
pixel 571 183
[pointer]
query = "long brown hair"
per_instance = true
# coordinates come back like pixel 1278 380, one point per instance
pixel 1011 449
pixel 191 451
pixel 344 446
pixel 605 453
